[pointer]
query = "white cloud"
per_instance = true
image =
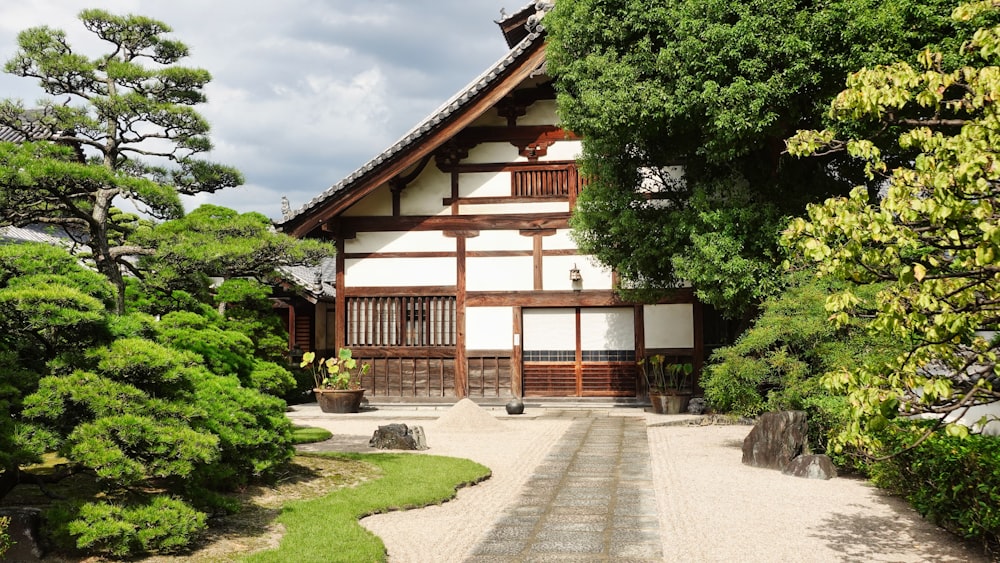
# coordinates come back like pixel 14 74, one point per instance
pixel 303 91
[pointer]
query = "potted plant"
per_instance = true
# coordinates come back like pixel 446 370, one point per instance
pixel 669 384
pixel 338 381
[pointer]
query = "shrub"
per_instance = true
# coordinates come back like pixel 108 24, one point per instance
pixel 951 481
pixel 271 378
pixel 777 363
pixel 255 436
pixel 160 525
pixel 5 540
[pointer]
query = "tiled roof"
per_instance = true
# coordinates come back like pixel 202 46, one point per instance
pixel 35 131
pixel 317 280
pixel 33 234
pixel 429 124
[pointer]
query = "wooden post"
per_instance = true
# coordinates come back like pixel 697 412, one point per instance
pixel 517 356
pixel 461 369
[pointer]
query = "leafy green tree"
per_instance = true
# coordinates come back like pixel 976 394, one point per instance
pixel 154 410
pixel 714 87
pixel 135 111
pixel 933 236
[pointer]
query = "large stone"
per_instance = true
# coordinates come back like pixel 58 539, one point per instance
pixel 696 405
pixel 23 530
pixel 398 437
pixel 811 466
pixel 776 439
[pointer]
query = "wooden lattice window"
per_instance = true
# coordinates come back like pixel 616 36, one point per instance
pixel 543 182
pixel 401 321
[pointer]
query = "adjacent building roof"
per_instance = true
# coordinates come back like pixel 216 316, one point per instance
pixel 318 281
pixel 474 91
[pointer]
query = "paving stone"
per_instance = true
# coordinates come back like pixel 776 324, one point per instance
pixel 590 500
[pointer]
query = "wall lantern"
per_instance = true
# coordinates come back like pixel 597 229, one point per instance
pixel 574 274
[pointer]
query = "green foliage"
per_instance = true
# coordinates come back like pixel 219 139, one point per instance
pixel 249 309
pixel 225 352
pixel 340 372
pixel 6 542
pixel 254 435
pixel 159 525
pixel 271 378
pixel 778 363
pixel 933 236
pixel 309 434
pixel 714 86
pixel 216 241
pixel 662 375
pixel 951 481
pixel 327 528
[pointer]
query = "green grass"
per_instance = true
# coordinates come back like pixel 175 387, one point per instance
pixel 309 434
pixel 326 529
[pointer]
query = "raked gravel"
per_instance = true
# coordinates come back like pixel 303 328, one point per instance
pixel 711 507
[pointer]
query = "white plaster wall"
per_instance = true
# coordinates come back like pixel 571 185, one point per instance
pixel 555 273
pixel 542 112
pixel 424 195
pixel 484 184
pixel 489 328
pixel 563 150
pixel 387 272
pixel 499 240
pixel 559 241
pixel 509 273
pixel 398 241
pixel 669 326
pixel 491 152
pixel 549 329
pixel 511 208
pixel 607 329
pixel 378 204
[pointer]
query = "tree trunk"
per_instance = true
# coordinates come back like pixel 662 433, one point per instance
pixel 100 246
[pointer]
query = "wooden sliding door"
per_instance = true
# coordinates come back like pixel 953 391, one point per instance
pixel 579 352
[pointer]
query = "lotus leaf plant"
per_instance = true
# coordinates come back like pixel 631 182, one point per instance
pixel 339 372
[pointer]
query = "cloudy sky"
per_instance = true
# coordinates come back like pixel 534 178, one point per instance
pixel 303 91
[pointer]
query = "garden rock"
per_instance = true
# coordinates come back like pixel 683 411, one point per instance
pixel 776 439
pixel 696 405
pixel 399 437
pixel 23 530
pixel 811 466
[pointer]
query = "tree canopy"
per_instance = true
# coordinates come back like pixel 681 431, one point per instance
pixel 933 235
pixel 119 125
pixel 712 86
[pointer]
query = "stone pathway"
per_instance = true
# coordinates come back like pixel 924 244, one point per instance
pixel 590 500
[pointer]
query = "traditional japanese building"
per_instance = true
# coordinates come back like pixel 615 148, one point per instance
pixel 456 274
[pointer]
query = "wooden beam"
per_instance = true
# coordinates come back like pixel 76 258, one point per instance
pixel 468 167
pixel 399 291
pixel 518 134
pixel 503 222
pixel 582 298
